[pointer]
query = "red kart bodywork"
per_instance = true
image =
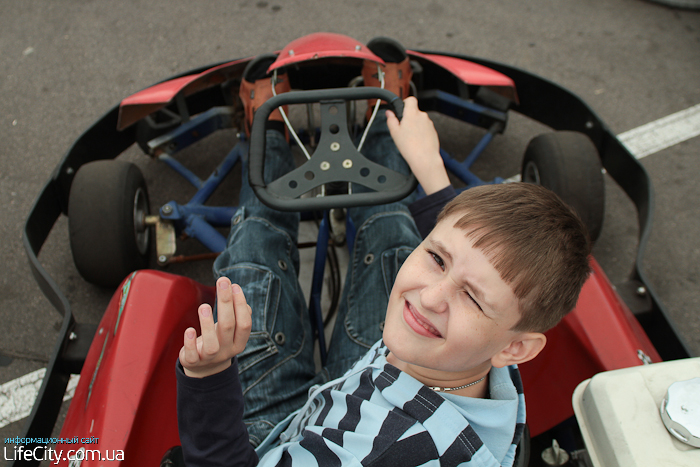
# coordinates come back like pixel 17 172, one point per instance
pixel 149 100
pixel 323 45
pixel 126 394
pixel 473 73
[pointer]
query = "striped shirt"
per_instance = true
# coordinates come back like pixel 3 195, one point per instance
pixel 378 415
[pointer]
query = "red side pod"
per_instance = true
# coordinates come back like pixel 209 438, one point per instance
pixel 147 101
pixel 600 334
pixel 126 394
pixel 472 73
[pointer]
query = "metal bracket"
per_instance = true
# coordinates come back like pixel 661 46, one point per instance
pixel 636 296
pixel 77 347
pixel 165 241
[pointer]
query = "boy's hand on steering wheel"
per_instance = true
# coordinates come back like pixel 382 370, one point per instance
pixel 212 352
pixel 417 141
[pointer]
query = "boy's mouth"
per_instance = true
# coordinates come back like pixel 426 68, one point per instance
pixel 417 322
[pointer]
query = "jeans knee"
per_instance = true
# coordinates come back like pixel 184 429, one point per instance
pixel 259 240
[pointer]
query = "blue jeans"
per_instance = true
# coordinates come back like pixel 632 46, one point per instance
pixel 277 366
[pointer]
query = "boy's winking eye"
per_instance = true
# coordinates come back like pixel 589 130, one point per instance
pixel 437 251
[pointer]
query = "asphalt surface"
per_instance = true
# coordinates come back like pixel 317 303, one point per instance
pixel 64 64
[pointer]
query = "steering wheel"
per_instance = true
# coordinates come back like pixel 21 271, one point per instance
pixel 336 158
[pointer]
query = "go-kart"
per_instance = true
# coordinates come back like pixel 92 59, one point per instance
pixel 126 393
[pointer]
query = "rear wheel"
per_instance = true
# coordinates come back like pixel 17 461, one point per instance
pixel 567 163
pixel 107 208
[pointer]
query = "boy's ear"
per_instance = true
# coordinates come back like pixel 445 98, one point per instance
pixel 523 348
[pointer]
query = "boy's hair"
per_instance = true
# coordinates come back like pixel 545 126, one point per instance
pixel 538 245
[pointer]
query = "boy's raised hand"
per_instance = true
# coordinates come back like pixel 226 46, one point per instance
pixel 417 141
pixel 212 352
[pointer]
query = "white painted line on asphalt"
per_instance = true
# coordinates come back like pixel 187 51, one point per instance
pixel 17 396
pixel 663 133
pixel 657 135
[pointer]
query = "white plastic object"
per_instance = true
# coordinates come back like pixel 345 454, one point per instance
pixel 619 416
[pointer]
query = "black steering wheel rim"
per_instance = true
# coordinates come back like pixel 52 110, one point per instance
pixel 336 158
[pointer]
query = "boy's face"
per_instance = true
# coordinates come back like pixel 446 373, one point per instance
pixel 450 314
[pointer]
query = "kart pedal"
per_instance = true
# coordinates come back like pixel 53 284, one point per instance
pixel 338 226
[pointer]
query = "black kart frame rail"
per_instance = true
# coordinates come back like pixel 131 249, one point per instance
pixel 569 113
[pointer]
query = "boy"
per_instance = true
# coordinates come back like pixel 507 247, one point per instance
pixel 446 319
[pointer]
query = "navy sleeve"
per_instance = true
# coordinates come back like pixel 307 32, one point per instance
pixel 426 210
pixel 210 420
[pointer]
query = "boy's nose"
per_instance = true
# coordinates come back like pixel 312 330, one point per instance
pixel 434 297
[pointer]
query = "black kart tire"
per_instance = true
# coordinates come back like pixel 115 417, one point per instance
pixel 567 163
pixel 106 213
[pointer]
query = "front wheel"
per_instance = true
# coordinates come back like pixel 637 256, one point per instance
pixel 567 163
pixel 107 209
